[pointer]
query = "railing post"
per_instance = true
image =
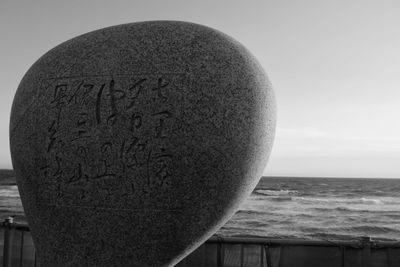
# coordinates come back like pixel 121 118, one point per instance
pixel 220 254
pixel 366 253
pixel 8 237
pixel 262 256
pixel 21 252
pixel 343 250
pixel 241 255
pixel 268 256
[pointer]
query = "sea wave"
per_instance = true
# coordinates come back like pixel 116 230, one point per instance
pixel 355 229
pixel 281 199
pixel 10 191
pixel 367 229
pixel 352 200
pixel 275 192
pixel 371 200
pixel 360 210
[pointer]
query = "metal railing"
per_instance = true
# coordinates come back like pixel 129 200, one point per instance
pixel 219 251
pixel 20 234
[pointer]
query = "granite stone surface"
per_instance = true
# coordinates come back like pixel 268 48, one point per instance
pixel 133 144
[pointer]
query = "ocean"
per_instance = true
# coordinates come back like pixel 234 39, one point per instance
pixel 306 208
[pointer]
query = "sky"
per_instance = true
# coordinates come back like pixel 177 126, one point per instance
pixel 334 66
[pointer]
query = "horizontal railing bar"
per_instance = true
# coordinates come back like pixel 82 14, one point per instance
pixel 17 226
pixel 300 242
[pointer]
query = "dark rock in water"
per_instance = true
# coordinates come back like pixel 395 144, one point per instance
pixel 133 144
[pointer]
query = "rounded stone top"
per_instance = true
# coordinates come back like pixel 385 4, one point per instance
pixel 143 138
pixel 207 55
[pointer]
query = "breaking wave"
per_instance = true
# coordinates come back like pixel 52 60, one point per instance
pixel 274 192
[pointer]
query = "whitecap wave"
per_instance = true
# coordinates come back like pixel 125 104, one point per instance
pixel 269 192
pixel 371 201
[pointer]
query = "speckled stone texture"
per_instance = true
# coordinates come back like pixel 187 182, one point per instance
pixel 133 144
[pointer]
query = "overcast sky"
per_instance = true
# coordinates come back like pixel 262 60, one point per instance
pixel 334 65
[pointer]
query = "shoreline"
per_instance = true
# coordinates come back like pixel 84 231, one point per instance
pixel 263 239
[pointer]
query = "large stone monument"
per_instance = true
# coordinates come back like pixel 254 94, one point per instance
pixel 133 144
